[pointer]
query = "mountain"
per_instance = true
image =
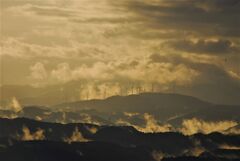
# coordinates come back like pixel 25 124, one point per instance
pixel 162 105
pixel 173 108
pixel 136 110
pixel 107 143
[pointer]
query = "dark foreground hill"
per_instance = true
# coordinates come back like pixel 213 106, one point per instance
pixel 62 142
pixel 59 151
pixel 91 151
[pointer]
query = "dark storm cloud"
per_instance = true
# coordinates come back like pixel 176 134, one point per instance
pixel 214 84
pixel 219 3
pixel 204 17
pixel 205 46
pixel 211 72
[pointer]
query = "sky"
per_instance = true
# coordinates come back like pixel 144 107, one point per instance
pixel 185 46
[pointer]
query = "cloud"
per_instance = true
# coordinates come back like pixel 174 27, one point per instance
pixel 214 77
pixel 92 130
pixel 51 11
pixel 217 47
pixel 15 106
pixel 225 146
pixel 28 136
pixel 219 4
pixel 97 71
pixel 193 126
pixel 196 151
pixel 38 71
pixel 76 137
pixel 163 73
pixel 108 44
pixel 88 119
pixel 187 127
pixel 158 155
pixel 192 17
pixel 130 114
pixel 233 130
pixel 16 48
pixel 102 80
pixel 151 124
